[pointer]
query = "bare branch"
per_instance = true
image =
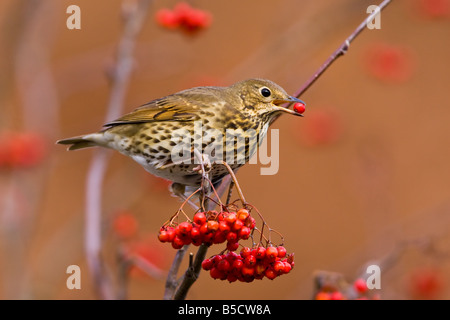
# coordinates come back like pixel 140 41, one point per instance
pixel 341 50
pixel 120 79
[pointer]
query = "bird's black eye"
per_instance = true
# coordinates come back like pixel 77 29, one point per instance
pixel 265 92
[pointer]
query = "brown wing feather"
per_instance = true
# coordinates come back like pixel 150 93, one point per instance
pixel 182 106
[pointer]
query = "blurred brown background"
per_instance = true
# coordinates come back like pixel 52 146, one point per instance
pixel 364 172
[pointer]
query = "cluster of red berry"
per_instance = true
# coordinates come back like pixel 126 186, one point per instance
pixel 250 264
pixel 359 287
pixel 184 17
pixel 20 149
pixel 433 8
pixel 210 227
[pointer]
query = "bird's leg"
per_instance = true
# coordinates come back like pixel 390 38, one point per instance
pixel 179 190
pixel 204 169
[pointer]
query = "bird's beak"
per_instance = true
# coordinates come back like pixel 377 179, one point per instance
pixel 289 100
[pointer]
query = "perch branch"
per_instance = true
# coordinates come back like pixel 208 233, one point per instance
pixel 178 289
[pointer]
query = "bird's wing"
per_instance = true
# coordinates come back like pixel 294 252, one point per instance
pixel 182 106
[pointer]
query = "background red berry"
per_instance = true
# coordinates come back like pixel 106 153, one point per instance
pixel 360 285
pixel 125 225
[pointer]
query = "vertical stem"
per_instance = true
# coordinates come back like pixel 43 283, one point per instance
pixel 192 273
pixel 120 79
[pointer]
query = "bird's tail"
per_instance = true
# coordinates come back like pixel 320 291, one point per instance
pixel 81 142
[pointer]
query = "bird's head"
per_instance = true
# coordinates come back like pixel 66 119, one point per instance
pixel 264 98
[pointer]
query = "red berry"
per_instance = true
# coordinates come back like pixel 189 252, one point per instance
pixel 247 271
pixel 323 296
pixel 186 239
pixel 259 270
pixel 177 243
pixel 250 261
pixel 167 18
pixel 207 264
pixel 299 107
pixel 207 238
pixel 237 264
pixel 231 218
pixel 244 233
pixel 213 225
pixel 170 233
pixel 219 237
pixel 185 227
pixel 392 63
pixel 197 19
pixel 281 252
pixel 224 227
pixel 245 252
pixel 216 259
pixel 250 222
pixel 231 256
pixel 238 224
pixel 21 149
pixel 163 236
pixel 426 283
pixel 270 273
pixel 200 218
pixel 243 214
pixel 260 252
pixel 336 295
pixel 232 246
pixel 271 253
pixel 182 9
pixel 434 8
pixel 220 217
pixel 287 267
pixel 195 233
pixel 231 277
pixel 278 267
pixel 125 225
pixel 232 237
pixel 224 265
pixel 204 229
pixel 216 273
pixel 360 285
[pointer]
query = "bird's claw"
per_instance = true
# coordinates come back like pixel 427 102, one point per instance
pixel 204 165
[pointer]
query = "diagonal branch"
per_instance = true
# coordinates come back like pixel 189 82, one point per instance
pixel 341 50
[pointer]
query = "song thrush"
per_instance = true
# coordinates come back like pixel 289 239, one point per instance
pixel 152 134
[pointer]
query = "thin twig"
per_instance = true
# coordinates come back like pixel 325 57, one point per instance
pixel 230 192
pixel 234 179
pixel 343 48
pixel 120 77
